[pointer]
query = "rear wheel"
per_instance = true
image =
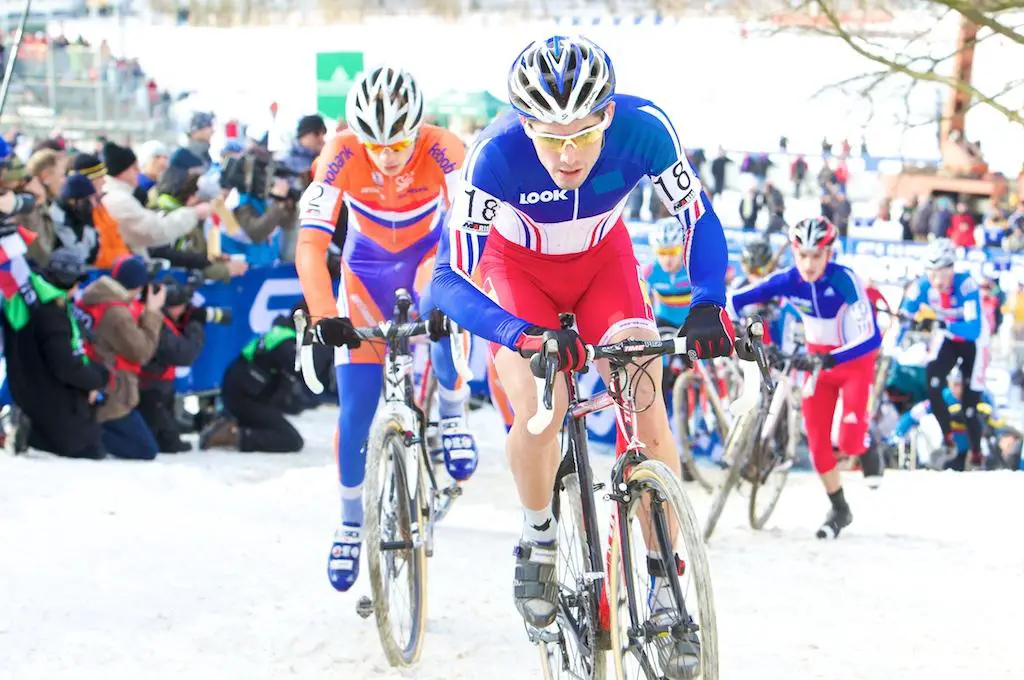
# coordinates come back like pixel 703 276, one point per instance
pixel 690 421
pixel 772 462
pixel 737 452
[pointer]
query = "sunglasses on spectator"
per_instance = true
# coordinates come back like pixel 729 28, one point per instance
pixel 394 147
pixel 584 137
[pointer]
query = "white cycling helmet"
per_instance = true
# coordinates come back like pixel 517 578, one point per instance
pixel 941 253
pixel 560 80
pixel 666 233
pixel 815 233
pixel 384 106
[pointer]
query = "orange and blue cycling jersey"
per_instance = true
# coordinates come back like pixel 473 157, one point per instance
pixel 393 226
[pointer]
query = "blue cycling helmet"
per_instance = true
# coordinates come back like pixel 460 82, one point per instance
pixel 561 79
pixel 666 233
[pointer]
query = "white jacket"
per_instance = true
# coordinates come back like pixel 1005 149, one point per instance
pixel 140 226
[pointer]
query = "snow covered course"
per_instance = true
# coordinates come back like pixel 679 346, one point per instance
pixel 212 566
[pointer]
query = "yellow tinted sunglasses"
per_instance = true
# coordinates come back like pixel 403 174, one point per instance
pixel 580 139
pixel 394 147
pixel 671 251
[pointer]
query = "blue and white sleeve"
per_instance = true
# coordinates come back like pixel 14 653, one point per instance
pixel 858 327
pixel 475 205
pixel 968 325
pixel 679 188
pixel 756 293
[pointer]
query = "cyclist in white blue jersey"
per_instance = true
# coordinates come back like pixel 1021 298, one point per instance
pixel 539 212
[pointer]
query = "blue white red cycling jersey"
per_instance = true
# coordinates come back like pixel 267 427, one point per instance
pixel 504 187
pixel 835 309
pixel 960 308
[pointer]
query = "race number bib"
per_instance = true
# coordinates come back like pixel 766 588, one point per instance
pixel 319 204
pixel 678 186
pixel 474 210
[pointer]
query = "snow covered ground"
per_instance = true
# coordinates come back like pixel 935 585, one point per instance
pixel 211 565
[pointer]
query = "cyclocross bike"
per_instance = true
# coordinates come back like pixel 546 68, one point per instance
pixel 641 489
pixel 402 499
pixel 761 446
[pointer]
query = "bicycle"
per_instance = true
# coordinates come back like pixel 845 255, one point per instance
pixel 399 472
pixel 576 646
pixel 698 392
pixel 762 441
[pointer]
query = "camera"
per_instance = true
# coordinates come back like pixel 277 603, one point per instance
pixel 255 175
pixel 181 293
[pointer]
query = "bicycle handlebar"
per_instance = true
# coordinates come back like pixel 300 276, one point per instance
pixel 384 331
pixel 622 351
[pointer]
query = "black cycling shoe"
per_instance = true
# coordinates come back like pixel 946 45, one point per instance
pixel 835 521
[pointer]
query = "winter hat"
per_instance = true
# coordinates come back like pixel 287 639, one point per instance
pixel 118 158
pixel 15 170
pixel 66 266
pixel 76 186
pixel 183 159
pixel 130 272
pixel 89 165
pixel 200 121
pixel 310 124
pixel 150 150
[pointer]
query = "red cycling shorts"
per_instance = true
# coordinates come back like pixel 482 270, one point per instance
pixel 852 380
pixel 603 286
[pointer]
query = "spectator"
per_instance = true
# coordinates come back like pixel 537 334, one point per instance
pixel 750 207
pixel 50 167
pixel 35 217
pixel 309 142
pixel 51 380
pixel 776 207
pixel 123 335
pixel 797 174
pixel 200 132
pixel 111 243
pixel 718 167
pixel 139 226
pixel 72 215
pixel 961 227
pixel 907 219
pixel 841 209
pixel 941 218
pixel 921 222
pixel 153 161
pixel 253 419
pixel 181 340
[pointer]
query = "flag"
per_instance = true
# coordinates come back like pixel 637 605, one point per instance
pixel 14 269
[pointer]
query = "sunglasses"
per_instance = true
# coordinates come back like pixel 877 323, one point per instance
pixel 671 251
pixel 394 147
pixel 580 139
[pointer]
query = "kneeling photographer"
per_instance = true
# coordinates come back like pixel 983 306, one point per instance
pixel 252 389
pixel 181 341
pixel 263 203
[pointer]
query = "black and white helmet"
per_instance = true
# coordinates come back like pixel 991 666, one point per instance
pixel 815 233
pixel 941 253
pixel 561 79
pixel 384 106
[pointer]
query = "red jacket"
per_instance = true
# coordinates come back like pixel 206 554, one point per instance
pixel 961 230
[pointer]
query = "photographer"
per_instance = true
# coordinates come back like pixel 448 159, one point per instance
pixel 263 202
pixel 181 341
pixel 255 414
pixel 51 379
pixel 122 334
pixel 177 189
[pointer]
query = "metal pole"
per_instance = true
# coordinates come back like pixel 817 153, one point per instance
pixel 9 71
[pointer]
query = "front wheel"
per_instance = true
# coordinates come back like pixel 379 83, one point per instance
pixel 646 625
pixel 685 400
pixel 737 453
pixel 772 462
pixel 394 544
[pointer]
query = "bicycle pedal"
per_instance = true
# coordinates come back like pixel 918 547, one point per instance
pixel 453 491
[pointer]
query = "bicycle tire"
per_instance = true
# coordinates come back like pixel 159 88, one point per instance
pixel 444 501
pixel 762 453
pixel 387 443
pixel 569 503
pixel 658 476
pixel 680 411
pixel 737 451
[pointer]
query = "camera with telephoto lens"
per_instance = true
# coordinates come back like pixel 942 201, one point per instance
pixel 254 174
pixel 181 293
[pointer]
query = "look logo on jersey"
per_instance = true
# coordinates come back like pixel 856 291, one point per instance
pixel 543 196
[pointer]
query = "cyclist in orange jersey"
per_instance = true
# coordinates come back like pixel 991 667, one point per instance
pixel 384 179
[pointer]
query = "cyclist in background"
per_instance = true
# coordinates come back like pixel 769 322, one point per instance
pixel 539 211
pixel 758 260
pixel 955 298
pixel 666 276
pixel 385 180
pixel 842 340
